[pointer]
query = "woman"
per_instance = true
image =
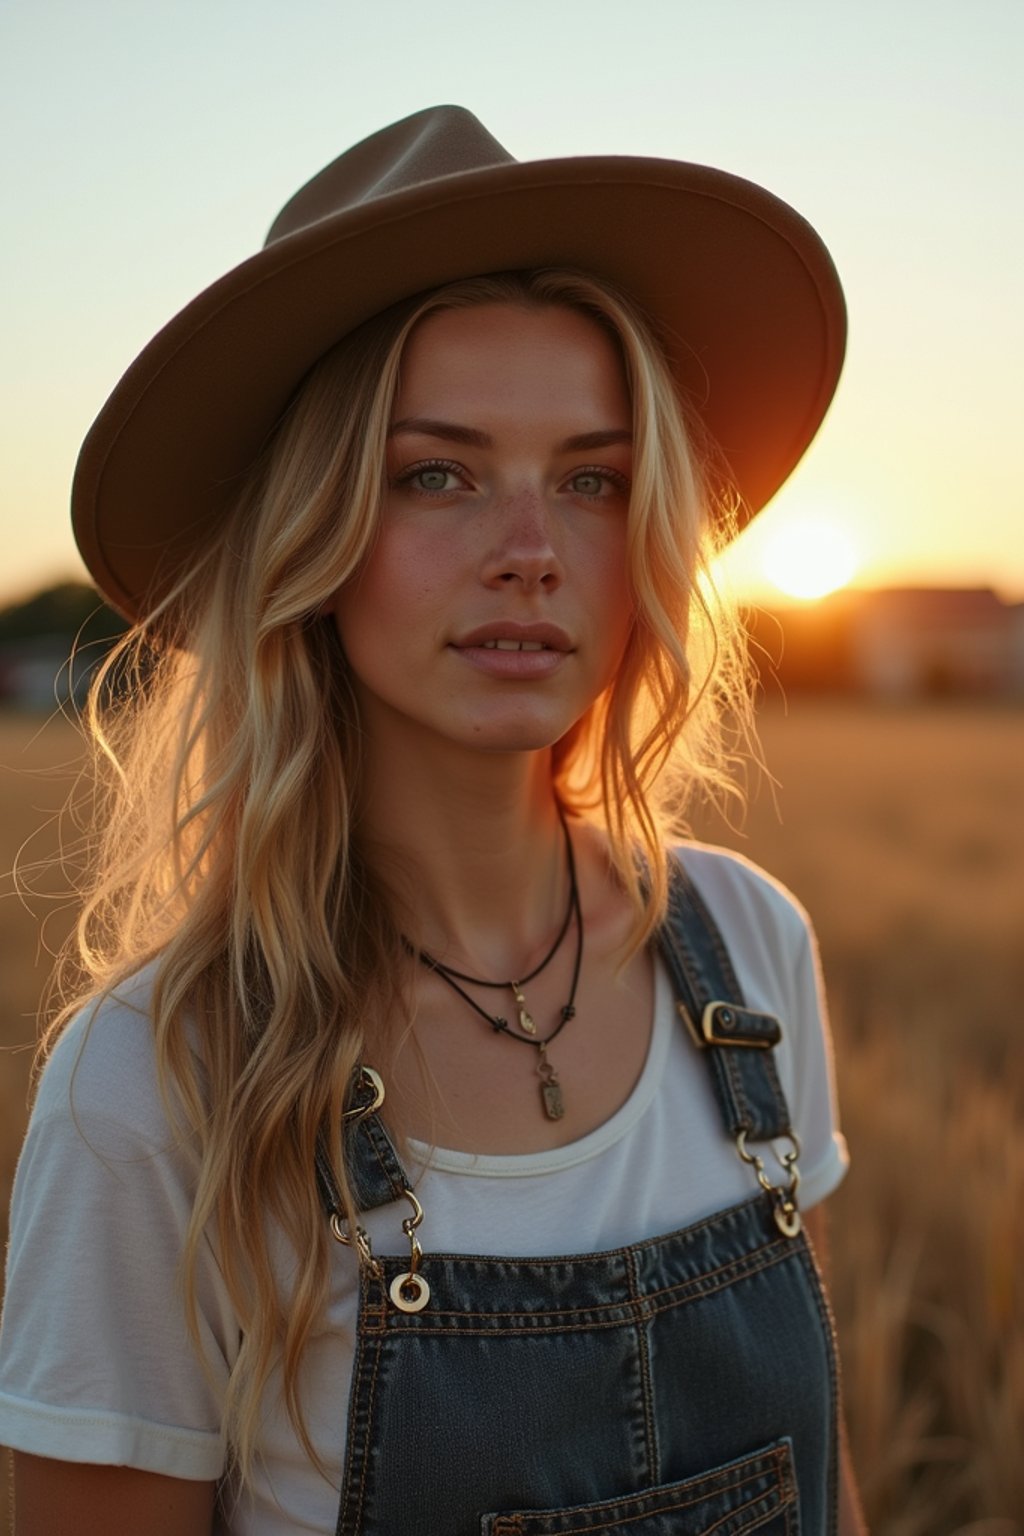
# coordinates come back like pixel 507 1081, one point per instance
pixel 386 961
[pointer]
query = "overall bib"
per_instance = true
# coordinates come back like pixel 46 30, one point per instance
pixel 682 1385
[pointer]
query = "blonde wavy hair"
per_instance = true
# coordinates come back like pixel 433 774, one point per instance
pixel 227 766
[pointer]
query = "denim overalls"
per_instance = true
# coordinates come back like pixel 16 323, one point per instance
pixel 681 1385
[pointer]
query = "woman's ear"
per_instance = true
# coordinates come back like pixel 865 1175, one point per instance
pixel 328 609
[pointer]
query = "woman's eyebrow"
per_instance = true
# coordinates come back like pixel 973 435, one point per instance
pixel 452 432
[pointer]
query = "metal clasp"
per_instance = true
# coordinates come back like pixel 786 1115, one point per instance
pixel 370 1078
pixel 410 1292
pixel 727 1024
pixel 360 1242
pixel 787 1216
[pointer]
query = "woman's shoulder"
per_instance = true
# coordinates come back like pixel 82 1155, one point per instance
pixel 743 897
pixel 102 1070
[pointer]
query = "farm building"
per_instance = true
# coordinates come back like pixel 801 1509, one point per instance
pixel 906 642
pixel 935 640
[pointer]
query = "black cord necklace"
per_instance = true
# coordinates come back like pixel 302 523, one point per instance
pixel 551 1091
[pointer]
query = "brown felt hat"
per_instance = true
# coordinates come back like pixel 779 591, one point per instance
pixel 740 289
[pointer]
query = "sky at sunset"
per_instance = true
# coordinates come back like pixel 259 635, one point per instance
pixel 147 146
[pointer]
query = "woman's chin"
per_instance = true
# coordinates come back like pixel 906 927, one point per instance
pixel 525 731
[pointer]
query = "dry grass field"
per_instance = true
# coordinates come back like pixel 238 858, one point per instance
pixel 903 833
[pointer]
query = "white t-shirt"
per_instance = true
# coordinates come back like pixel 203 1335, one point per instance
pixel 95 1361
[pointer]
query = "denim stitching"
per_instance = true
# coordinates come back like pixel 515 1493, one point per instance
pixel 390 1166
pixel 738 1268
pixel 400 1322
pixel 718 947
pixel 375 1319
pixel 643 1346
pixel 752 1516
pixel 827 1321
pixel 775 1088
pixel 559 1260
pixel 361 1441
pixel 369 1414
pixel 763 1465
pixel 748 1119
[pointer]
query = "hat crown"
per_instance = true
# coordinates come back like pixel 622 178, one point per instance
pixel 428 145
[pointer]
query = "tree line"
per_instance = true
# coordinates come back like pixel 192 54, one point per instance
pixel 71 609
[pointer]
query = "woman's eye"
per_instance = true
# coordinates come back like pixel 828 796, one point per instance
pixel 430 479
pixel 594 482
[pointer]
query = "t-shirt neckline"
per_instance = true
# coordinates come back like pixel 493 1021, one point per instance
pixel 529 1164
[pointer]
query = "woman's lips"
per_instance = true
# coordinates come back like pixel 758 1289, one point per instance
pixel 507 649
pixel 513 631
pixel 512 659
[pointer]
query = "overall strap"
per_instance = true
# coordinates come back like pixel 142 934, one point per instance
pixel 373 1165
pixel 737 1040
pixel 377 1178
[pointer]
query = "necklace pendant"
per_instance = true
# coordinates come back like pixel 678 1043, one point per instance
pixel 525 1017
pixel 554 1104
pixel 550 1087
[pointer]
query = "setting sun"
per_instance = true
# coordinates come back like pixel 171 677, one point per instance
pixel 809 558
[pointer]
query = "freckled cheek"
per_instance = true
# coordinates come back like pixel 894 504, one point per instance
pixel 399 581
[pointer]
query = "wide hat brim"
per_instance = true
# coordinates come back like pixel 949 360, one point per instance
pixel 741 289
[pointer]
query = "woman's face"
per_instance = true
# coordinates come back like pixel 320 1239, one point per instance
pixel 495 604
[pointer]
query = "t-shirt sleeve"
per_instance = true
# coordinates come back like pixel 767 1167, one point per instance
pixel 807 1070
pixel 96 1362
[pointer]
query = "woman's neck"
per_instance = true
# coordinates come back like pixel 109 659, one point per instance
pixel 472 845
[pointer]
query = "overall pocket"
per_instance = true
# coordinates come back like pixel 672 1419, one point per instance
pixel 755 1493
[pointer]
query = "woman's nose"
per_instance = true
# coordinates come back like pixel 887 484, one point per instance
pixel 523 549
